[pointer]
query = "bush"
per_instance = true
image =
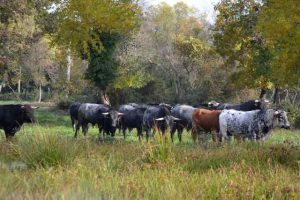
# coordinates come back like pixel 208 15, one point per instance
pixel 159 150
pixel 47 150
pixel 64 103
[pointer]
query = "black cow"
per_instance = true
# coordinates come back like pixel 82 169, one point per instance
pixel 73 110
pixel 12 117
pixel 246 106
pixel 133 119
pixel 100 114
pixel 184 113
pixel 158 117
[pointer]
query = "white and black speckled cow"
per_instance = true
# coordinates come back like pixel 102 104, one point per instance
pixel 251 124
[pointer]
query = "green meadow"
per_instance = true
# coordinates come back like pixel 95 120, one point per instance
pixel 44 161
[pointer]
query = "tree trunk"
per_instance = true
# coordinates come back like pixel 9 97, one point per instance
pixel 177 89
pixel 263 93
pixel 69 64
pixel 275 96
pixel 104 97
pixel 40 93
pixel 19 81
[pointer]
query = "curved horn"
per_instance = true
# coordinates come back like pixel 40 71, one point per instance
pixel 120 113
pixel 159 119
pixel 276 112
pixel 34 107
pixel 176 119
pixel 105 113
pixel 256 100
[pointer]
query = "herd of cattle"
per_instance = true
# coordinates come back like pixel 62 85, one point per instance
pixel 251 119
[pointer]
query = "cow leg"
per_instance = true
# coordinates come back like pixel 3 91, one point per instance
pixel 85 128
pixel 195 134
pixel 77 129
pixel 140 133
pixel 147 134
pixel 124 132
pixel 179 133
pixel 113 133
pixel 223 133
pixel 172 133
pixel 214 136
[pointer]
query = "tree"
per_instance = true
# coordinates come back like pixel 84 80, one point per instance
pixel 83 25
pixel 236 40
pixel 102 68
pixel 39 58
pixel 278 24
pixel 171 47
pixel 17 28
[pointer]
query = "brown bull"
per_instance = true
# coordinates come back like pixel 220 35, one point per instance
pixel 207 120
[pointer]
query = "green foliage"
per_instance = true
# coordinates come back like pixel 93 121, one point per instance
pixel 102 68
pixel 245 53
pixel 278 25
pixel 81 22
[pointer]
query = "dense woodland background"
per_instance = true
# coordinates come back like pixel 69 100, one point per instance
pixel 127 51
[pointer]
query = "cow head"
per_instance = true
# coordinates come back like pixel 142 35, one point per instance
pixel 168 120
pixel 28 112
pixel 168 106
pixel 281 119
pixel 114 117
pixel 261 104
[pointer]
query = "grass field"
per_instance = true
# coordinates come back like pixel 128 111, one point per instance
pixel 44 161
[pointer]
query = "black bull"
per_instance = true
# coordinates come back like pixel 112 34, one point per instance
pixel 104 116
pixel 12 117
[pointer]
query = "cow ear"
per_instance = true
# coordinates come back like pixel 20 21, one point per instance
pixel 159 119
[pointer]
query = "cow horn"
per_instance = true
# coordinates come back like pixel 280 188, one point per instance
pixel 34 107
pixel 120 113
pixel 160 119
pixel 105 113
pixel 276 112
pixel 256 101
pixel 176 119
pixel 267 101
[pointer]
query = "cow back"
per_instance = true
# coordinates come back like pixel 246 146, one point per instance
pixel 206 119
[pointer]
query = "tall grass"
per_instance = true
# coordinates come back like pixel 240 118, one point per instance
pixel 47 150
pixel 60 167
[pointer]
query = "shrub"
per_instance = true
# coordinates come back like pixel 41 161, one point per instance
pixel 64 103
pixel 159 150
pixel 47 150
